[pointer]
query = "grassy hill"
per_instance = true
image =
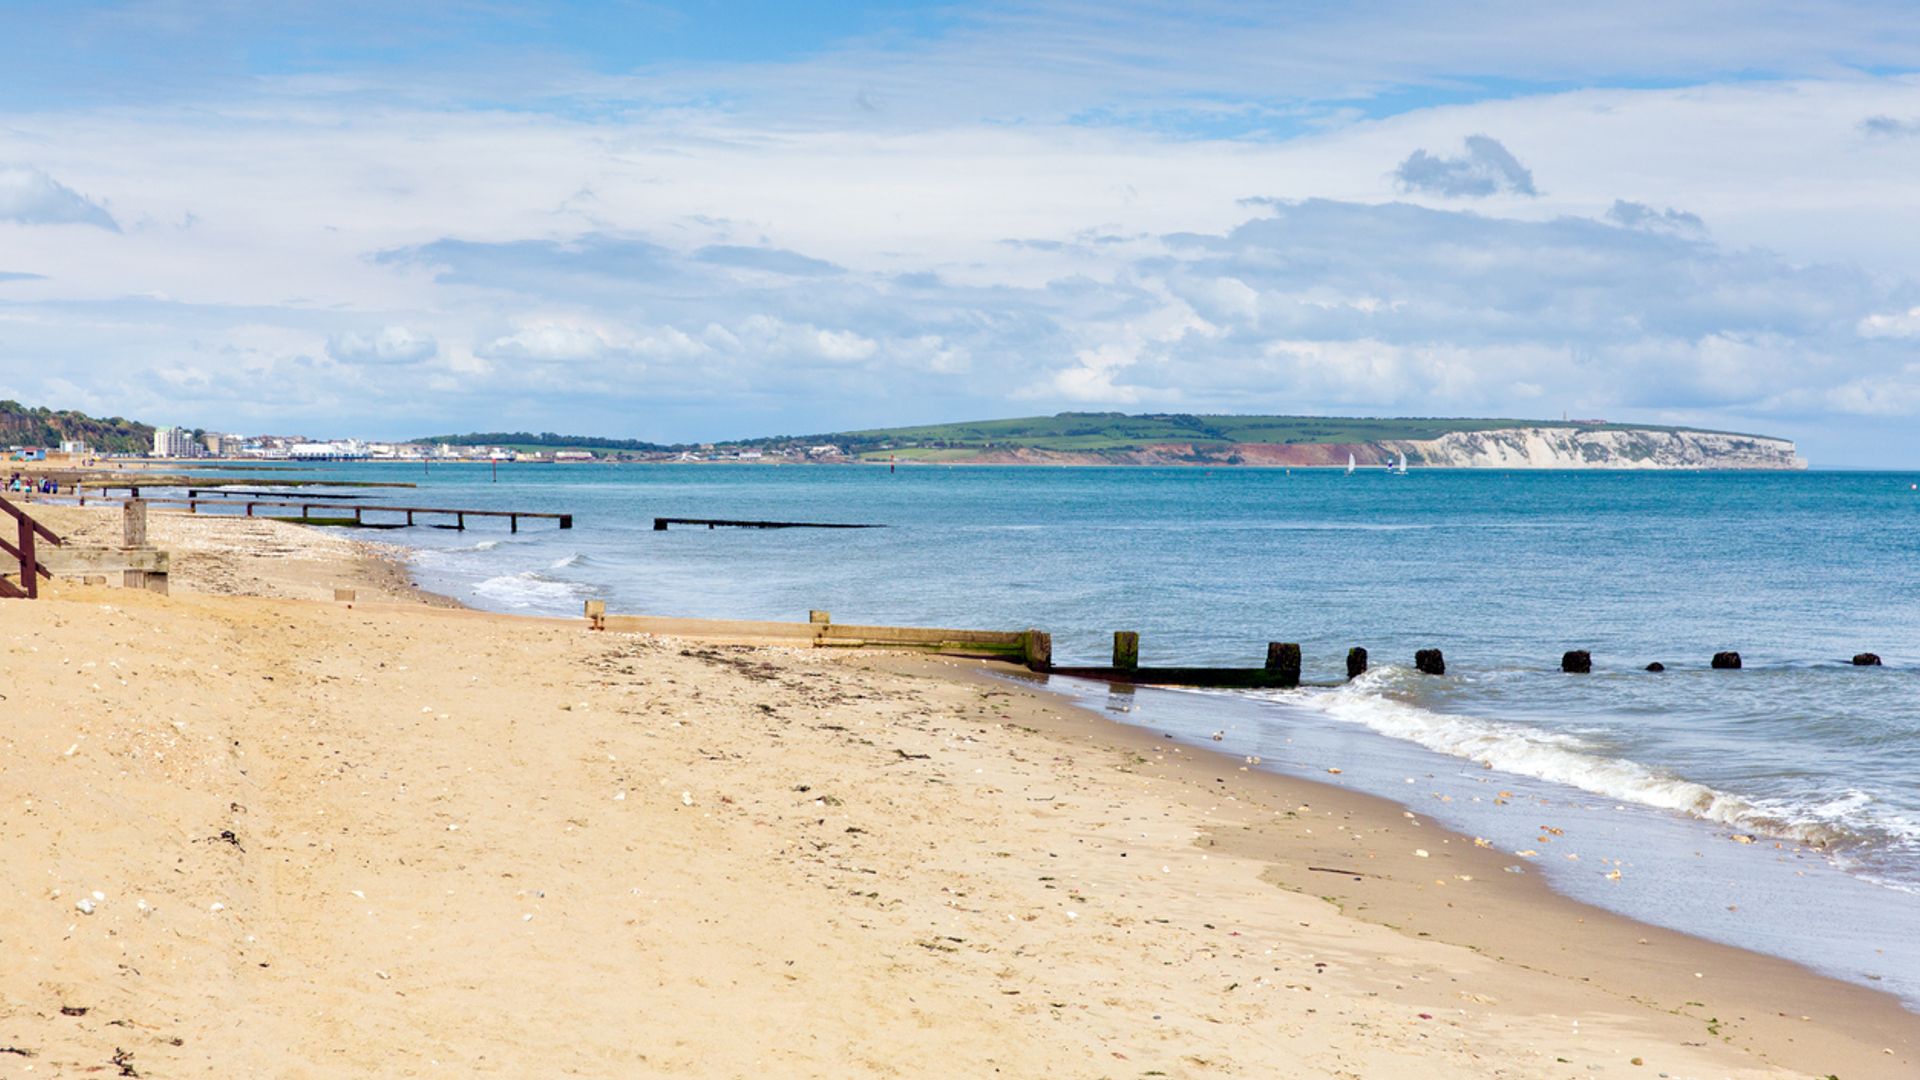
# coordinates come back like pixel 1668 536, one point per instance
pixel 1105 432
pixel 22 426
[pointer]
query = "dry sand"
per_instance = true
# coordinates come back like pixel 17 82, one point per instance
pixel 392 840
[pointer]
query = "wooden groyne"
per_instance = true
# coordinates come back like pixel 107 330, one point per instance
pixel 1033 649
pixel 359 511
pixel 1030 648
pixel 660 524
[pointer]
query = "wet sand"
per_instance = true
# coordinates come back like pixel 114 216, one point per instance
pixel 392 839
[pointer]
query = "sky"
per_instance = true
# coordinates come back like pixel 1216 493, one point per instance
pixel 687 221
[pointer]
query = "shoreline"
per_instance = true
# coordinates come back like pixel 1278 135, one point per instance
pixel 1500 958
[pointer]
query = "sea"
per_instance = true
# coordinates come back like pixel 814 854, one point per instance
pixel 1776 807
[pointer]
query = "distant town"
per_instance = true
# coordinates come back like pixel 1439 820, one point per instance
pixel 179 443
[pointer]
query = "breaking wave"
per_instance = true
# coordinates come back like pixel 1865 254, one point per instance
pixel 1845 820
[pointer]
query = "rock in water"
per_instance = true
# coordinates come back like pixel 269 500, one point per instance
pixel 1430 662
pixel 1867 659
pixel 1656 666
pixel 1577 662
pixel 1726 661
pixel 1356 662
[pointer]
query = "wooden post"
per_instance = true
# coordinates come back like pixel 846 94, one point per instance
pixel 133 523
pixel 513 522
pixel 460 521
pixel 1577 662
pixel 249 509
pixel 1430 662
pixel 1126 650
pixel 597 614
pixel 1283 659
pixel 409 517
pixel 193 506
pixel 819 618
pixel 566 521
pixel 1038 649
pixel 356 516
pixel 1726 661
pixel 1356 662
pixel 344 596
pixel 29 566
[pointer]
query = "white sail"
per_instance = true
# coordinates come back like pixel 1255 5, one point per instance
pixel 1349 464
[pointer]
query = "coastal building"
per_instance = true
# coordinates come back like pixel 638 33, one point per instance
pixel 76 447
pixel 573 455
pixel 220 444
pixel 174 442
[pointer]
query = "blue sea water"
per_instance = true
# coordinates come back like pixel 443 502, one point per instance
pixel 1749 806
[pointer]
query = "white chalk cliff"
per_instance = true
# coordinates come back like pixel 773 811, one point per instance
pixel 1582 448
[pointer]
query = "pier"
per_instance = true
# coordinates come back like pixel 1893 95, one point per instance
pixel 359 511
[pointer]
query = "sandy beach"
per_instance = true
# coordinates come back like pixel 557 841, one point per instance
pixel 251 831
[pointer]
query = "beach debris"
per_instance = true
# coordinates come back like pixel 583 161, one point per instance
pixel 124 1059
pixel 1481 841
pixel 1742 838
pixel 1335 772
pixel 1420 852
pixel 85 905
pixel 686 798
pixel 216 906
pixel 1613 875
pixel 73 1010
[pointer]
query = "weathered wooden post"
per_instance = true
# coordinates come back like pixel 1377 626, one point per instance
pixel 1126 650
pixel 1283 660
pixel 133 523
pixel 821 618
pixel 1726 661
pixel 1356 662
pixel 1430 662
pixel 1577 662
pixel 1037 647
pixel 596 614
pixel 1866 659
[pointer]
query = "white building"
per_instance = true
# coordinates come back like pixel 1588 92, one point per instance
pixel 76 448
pixel 173 442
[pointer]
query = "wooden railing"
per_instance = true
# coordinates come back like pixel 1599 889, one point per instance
pixel 22 549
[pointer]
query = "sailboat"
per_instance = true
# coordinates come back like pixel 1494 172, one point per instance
pixel 1349 464
pixel 1401 469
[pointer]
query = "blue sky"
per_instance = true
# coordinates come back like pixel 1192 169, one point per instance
pixel 690 221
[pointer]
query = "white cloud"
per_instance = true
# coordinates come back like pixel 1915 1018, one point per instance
pixel 1897 324
pixel 1486 168
pixel 31 197
pixel 388 345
